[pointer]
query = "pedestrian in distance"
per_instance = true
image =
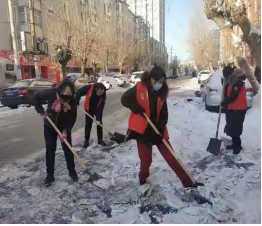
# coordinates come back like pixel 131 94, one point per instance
pixel 149 97
pixel 94 106
pixel 62 110
pixel 235 105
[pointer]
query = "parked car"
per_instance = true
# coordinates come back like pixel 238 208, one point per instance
pixel 108 81
pixel 212 91
pixel 203 76
pixel 22 92
pixel 136 77
pixel 122 80
pixel 73 76
pixel 79 83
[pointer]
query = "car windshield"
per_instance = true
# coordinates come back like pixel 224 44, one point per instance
pixel 22 83
pixel 137 76
pixel 83 80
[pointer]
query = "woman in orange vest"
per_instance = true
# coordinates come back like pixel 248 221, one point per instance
pixel 149 96
pixel 94 105
pixel 235 105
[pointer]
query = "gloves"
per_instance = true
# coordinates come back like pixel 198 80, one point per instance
pixel 158 139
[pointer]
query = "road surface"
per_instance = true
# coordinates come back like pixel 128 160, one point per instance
pixel 21 132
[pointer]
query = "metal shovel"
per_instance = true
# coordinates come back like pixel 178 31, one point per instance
pixel 117 137
pixel 214 143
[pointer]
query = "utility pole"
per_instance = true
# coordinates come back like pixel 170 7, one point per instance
pixel 14 41
pixel 33 33
pixel 147 33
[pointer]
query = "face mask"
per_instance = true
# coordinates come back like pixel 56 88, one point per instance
pixel 157 86
pixel 66 97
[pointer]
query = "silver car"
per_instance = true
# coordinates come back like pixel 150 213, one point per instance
pixel 212 91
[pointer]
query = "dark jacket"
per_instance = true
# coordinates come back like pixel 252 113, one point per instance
pixel 63 120
pixel 129 100
pixel 94 99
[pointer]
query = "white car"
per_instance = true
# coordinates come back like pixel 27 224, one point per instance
pixel 212 91
pixel 108 81
pixel 203 76
pixel 136 77
pixel 73 76
pixel 122 80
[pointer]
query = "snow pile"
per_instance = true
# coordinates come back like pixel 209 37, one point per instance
pixel 232 183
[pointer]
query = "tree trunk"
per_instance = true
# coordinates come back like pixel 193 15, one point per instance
pixel 83 66
pixel 63 71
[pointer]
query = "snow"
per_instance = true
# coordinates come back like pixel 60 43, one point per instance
pixel 254 30
pixel 232 183
pixel 238 3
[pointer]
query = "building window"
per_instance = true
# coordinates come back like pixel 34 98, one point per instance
pixel 50 10
pixel 22 15
pixel 10 67
pixel 37 18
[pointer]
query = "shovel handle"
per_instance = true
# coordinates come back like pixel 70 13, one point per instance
pixel 175 155
pixel 97 122
pixel 67 144
pixel 220 108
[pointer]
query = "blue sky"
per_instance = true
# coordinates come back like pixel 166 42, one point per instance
pixel 177 26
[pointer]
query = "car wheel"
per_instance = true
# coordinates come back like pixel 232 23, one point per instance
pixel 13 106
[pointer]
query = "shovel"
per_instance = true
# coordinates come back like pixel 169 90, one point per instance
pixel 93 176
pixel 214 143
pixel 175 155
pixel 117 137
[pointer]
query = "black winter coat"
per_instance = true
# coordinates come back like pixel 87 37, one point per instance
pixel 94 99
pixel 129 100
pixel 63 120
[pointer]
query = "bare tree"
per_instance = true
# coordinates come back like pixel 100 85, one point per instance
pixel 229 13
pixel 59 27
pixel 86 38
pixel 204 40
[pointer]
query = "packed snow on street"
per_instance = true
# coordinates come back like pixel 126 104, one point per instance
pixel 232 182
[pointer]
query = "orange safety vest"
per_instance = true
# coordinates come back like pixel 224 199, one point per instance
pixel 241 102
pixel 137 122
pixel 88 96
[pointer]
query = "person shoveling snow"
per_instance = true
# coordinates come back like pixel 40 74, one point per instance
pixel 147 123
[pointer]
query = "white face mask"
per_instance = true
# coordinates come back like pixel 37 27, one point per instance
pixel 157 86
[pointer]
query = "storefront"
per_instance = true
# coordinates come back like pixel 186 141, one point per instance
pixel 48 69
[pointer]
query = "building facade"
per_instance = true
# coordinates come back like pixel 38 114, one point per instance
pixel 114 17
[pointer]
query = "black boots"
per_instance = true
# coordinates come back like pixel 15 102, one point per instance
pixel 236 150
pixel 86 144
pixel 74 176
pixel 49 180
pixel 142 182
pixel 101 142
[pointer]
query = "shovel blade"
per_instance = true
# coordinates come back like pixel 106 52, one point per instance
pixel 118 137
pixel 214 146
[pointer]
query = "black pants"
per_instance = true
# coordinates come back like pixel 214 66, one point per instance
pixel 50 140
pixel 236 142
pixel 234 125
pixel 89 123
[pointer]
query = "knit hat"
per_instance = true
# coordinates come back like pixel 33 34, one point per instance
pixel 157 73
pixel 227 71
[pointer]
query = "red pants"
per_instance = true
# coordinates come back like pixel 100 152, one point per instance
pixel 145 155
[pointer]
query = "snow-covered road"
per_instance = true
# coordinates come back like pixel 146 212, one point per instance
pixel 232 182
